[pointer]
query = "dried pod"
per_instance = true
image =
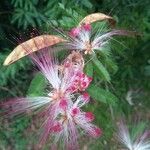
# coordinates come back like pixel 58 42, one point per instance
pixel 97 17
pixel 31 46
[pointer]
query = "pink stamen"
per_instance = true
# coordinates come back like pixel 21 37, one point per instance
pixel 75 111
pixel 86 97
pixel 97 132
pixel 57 128
pixel 89 116
pixel 63 104
pixel 90 79
pixel 74 32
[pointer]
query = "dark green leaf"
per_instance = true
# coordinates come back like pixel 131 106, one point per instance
pixel 102 95
pixel 89 69
pixel 101 70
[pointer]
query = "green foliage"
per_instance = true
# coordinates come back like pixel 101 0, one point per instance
pixel 102 95
pixel 9 72
pixel 37 86
pixel 12 77
pixel 100 69
pixel 35 13
pixel 89 69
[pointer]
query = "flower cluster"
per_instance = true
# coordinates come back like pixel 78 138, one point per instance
pixel 64 117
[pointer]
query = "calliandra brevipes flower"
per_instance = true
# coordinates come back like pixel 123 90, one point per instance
pixel 85 39
pixel 140 142
pixel 70 121
pixel 63 80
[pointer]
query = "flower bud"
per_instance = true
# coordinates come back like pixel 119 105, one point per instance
pixel 86 97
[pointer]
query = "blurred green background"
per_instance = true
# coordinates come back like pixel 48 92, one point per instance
pixel 128 65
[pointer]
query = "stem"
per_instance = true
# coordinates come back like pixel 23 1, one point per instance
pixel 9 91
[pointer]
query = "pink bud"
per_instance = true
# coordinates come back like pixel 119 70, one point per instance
pixel 89 116
pixel 84 85
pixel 82 75
pixel 74 32
pixel 79 74
pixel 86 97
pixel 72 89
pixel 63 104
pixel 57 128
pixel 87 27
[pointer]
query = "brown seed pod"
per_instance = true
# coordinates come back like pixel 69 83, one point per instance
pixel 97 17
pixel 31 46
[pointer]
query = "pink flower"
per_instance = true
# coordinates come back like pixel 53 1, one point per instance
pixel 84 40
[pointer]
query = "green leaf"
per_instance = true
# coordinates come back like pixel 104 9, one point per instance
pixel 101 70
pixel 37 86
pixel 89 69
pixel 61 6
pixel 102 95
pixel 111 65
pixel 87 3
pixel 147 70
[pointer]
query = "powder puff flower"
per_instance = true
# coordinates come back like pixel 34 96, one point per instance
pixel 72 120
pixel 140 142
pixel 85 40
